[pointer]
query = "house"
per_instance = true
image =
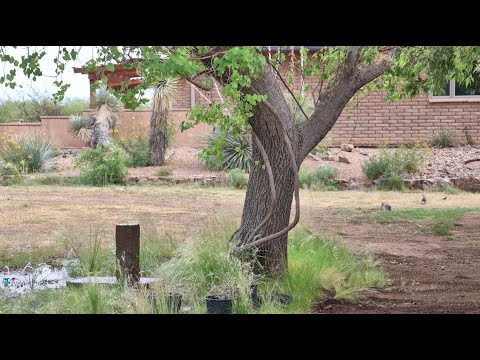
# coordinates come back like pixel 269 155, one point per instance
pixel 374 123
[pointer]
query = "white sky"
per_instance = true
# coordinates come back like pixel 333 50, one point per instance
pixel 80 86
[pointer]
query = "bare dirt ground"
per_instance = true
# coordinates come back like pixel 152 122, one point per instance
pixel 428 273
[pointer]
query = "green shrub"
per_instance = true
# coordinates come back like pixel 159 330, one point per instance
pixel 443 139
pixel 391 181
pixel 103 165
pixel 237 150
pixel 163 171
pixel 9 174
pixel 137 148
pixel 237 178
pixel 321 178
pixel 391 163
pixel 29 153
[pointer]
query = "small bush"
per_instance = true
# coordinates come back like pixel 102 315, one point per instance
pixel 9 174
pixel 443 139
pixel 391 164
pixel 103 166
pixel 137 148
pixel 391 181
pixel 163 171
pixel 237 178
pixel 320 178
pixel 30 153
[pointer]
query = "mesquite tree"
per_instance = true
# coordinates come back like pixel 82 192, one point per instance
pixel 254 101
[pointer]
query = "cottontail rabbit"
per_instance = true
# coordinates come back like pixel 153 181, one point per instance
pixel 385 206
pixel 424 199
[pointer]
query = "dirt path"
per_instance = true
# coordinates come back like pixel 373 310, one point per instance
pixel 429 273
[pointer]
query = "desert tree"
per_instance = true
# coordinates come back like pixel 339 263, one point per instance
pixel 252 86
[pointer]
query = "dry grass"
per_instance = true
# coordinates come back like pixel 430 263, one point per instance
pixel 36 215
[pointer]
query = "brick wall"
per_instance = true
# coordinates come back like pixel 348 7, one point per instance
pixel 377 122
pixel 405 122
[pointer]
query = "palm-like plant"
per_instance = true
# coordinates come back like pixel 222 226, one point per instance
pixel 106 115
pixel 82 126
pixel 163 98
pixel 94 129
pixel 237 149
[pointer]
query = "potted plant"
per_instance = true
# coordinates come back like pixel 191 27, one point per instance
pixel 220 300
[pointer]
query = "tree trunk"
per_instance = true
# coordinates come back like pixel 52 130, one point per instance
pixel 101 129
pixel 158 137
pixel 271 256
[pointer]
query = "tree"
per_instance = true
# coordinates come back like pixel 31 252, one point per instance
pixel 158 132
pixel 254 101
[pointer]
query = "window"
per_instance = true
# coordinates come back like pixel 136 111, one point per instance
pixel 454 90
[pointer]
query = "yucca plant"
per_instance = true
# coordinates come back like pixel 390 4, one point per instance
pixel 29 153
pixel 163 97
pixel 237 150
pixel 82 127
pixel 106 114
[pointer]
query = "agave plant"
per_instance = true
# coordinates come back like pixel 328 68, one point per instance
pixel 163 97
pixel 237 150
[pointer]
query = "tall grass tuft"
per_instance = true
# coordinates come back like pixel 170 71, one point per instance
pixel 443 139
pixel 321 178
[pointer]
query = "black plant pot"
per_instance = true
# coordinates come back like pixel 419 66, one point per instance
pixel 174 302
pixel 255 299
pixel 282 298
pixel 218 305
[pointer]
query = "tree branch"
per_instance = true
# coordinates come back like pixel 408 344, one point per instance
pixel 288 88
pixel 271 180
pixel 332 102
pixel 197 84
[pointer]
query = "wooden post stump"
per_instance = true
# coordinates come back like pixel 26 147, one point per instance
pixel 128 252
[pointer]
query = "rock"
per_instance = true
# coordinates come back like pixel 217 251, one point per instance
pixel 133 180
pixel 341 184
pixel 473 188
pixel 327 157
pixel 343 160
pixel 347 147
pixel 352 185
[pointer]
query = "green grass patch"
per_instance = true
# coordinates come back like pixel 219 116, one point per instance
pixel 18 259
pixel 437 221
pixel 201 266
pixel 97 257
